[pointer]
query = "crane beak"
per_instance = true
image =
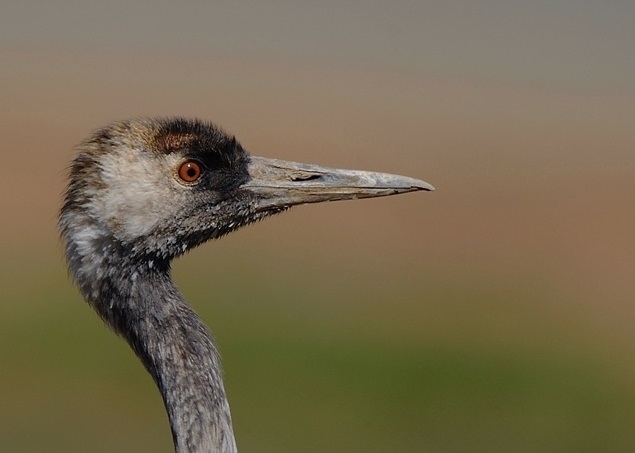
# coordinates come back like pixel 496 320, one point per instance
pixel 280 184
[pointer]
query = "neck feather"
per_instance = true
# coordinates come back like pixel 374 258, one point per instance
pixel 142 304
pixel 180 354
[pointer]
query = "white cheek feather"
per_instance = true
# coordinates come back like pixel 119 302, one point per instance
pixel 85 239
pixel 137 187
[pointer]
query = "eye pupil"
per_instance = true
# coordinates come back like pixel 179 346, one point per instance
pixel 190 171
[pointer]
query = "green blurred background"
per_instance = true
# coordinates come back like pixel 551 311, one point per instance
pixel 495 314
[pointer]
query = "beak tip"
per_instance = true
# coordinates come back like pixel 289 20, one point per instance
pixel 422 185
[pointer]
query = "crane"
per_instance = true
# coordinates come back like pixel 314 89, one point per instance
pixel 142 192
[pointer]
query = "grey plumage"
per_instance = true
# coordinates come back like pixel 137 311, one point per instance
pixel 130 208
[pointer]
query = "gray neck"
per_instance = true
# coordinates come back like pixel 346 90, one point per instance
pixel 144 306
pixel 179 352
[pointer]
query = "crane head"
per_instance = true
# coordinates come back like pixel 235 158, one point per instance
pixel 154 188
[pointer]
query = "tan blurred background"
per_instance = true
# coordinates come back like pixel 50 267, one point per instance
pixel 495 314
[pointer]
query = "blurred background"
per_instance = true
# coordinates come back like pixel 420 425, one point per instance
pixel 495 314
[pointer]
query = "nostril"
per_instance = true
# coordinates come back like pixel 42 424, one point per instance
pixel 306 177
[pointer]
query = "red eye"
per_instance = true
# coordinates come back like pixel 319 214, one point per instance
pixel 190 171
